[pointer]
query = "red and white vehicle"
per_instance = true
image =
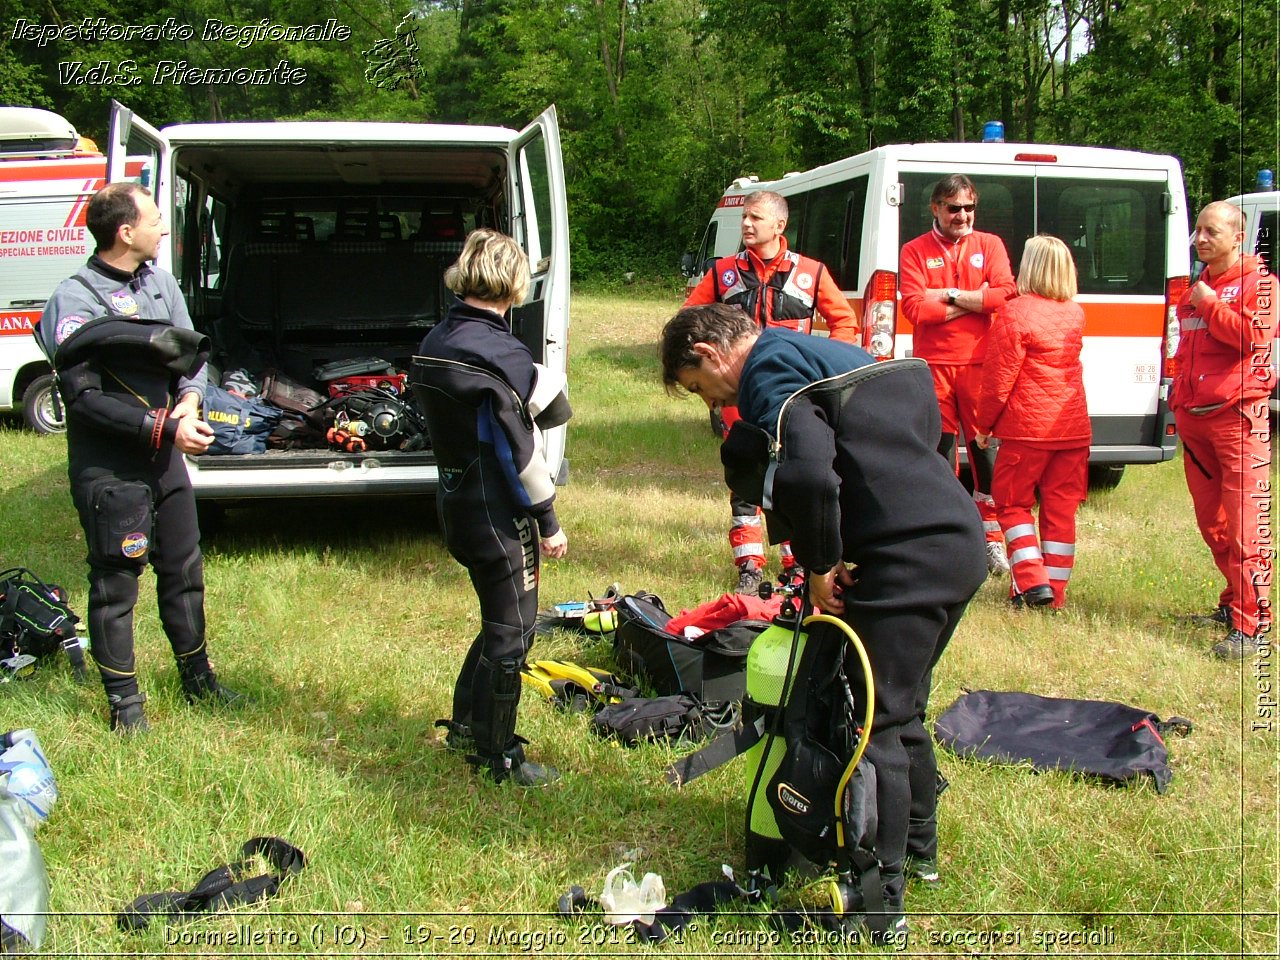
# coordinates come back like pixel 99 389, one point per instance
pixel 47 175
pixel 1122 213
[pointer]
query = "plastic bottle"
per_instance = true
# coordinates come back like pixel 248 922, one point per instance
pixel 26 774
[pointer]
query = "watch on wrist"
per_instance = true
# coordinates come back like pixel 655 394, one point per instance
pixel 952 293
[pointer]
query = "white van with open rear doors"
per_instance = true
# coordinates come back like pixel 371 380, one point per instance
pixel 1122 213
pixel 314 248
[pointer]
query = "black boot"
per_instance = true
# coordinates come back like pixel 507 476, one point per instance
pixel 201 684
pixel 494 702
pixel 127 715
pixel 512 765
pixel 892 927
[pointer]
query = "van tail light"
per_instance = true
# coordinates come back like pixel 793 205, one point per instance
pixel 1174 288
pixel 880 316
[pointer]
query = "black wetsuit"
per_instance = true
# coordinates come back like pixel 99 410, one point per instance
pixel 857 479
pixel 125 349
pixel 484 401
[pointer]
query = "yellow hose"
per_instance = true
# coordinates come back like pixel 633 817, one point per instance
pixel 868 715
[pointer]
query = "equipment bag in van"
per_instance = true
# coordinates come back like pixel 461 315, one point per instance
pixel 712 668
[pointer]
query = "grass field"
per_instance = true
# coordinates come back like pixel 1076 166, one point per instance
pixel 346 621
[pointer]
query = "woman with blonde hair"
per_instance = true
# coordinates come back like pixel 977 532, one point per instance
pixel 1033 401
pixel 486 402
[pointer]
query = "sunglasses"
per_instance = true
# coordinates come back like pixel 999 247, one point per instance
pixel 957 207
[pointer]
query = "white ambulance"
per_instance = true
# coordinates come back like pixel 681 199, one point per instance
pixel 300 245
pixel 1123 214
pixel 46 177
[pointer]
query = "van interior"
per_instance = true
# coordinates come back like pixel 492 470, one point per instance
pixel 293 257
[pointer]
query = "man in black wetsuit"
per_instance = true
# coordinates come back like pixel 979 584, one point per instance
pixel 485 402
pixel 124 347
pixel 841 453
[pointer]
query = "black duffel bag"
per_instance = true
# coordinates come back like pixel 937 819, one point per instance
pixel 712 667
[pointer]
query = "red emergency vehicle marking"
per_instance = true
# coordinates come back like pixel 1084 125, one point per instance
pixel 735 201
pixel 1101 320
pixel 76 215
pixel 18 323
pixel 73 171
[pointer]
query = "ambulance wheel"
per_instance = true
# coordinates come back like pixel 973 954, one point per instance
pixel 42 408
pixel 1105 476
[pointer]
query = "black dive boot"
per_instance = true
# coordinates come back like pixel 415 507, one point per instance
pixel 892 928
pixel 496 697
pixel 201 684
pixel 127 715
pixel 512 765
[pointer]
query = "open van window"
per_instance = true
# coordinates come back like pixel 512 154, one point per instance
pixel 301 246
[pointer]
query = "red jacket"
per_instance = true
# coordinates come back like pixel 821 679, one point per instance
pixel 1032 380
pixel 933 261
pixel 1224 352
pixel 749 269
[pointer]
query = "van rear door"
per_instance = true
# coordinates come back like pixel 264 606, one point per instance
pixel 540 223
pixel 133 138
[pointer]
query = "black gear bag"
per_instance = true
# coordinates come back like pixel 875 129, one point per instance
pixel 1111 741
pixel 712 668
pixel 35 622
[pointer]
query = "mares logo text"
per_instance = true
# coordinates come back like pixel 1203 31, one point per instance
pixel 525 529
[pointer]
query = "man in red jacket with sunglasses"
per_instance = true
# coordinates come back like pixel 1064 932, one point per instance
pixel 953 279
pixel 1227 321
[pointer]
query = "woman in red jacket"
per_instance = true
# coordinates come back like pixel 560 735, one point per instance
pixel 1033 401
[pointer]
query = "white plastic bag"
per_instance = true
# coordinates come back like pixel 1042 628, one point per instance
pixel 623 901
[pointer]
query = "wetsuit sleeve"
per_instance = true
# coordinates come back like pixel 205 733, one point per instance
pixel 518 444
pixel 805 488
pixel 1001 285
pixel 69 301
pixel 914 280
pixel 179 316
pixel 704 292
pixel 81 387
pixel 842 322
pixel 1006 353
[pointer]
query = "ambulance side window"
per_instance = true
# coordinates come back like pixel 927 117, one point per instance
pixel 707 252
pixel 1116 231
pixel 832 230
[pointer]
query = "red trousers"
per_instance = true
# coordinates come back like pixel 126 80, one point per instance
pixel 958 387
pixel 1227 460
pixel 746 534
pixel 1062 479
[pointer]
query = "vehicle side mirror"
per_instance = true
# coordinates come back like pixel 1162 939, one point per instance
pixel 687 263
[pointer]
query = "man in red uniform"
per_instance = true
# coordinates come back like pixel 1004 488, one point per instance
pixel 1220 402
pixel 778 288
pixel 953 279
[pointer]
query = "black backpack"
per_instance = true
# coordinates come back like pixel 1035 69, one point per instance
pixel 35 622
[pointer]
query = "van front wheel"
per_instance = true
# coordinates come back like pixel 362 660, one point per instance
pixel 42 406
